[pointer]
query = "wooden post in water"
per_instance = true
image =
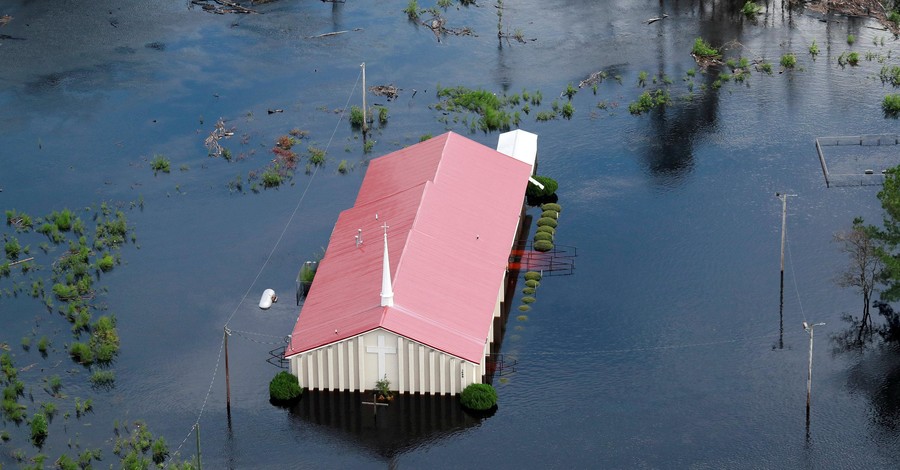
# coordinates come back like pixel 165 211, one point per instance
pixel 199 460
pixel 783 198
pixel 227 376
pixel 809 329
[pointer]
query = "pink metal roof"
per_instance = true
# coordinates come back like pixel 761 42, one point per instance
pixel 452 206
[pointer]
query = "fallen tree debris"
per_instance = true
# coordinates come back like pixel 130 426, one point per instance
pixel 654 20
pixel 388 91
pixel 5 19
pixel 221 7
pixel 334 33
pixel 596 77
pixel 212 142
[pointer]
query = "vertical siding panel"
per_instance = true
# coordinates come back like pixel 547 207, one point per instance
pixel 431 372
pixel 361 354
pixel 340 354
pixel 330 355
pixel 413 388
pixel 400 364
pixel 421 369
pixel 454 376
pixel 443 381
pixel 320 370
pixel 351 366
pixel 310 382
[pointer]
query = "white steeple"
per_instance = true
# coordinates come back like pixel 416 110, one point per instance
pixel 387 293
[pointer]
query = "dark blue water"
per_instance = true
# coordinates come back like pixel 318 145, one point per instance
pixel 660 352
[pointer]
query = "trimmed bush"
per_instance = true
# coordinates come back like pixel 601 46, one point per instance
pixel 550 187
pixel 546 221
pixel 524 308
pixel 543 236
pixel 528 300
pixel 478 397
pixel 543 245
pixel 284 387
pixel 532 284
pixel 528 290
pixel 551 206
pixel 551 214
pixel 532 276
pixel 547 229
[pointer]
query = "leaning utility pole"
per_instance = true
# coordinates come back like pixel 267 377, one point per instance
pixel 783 198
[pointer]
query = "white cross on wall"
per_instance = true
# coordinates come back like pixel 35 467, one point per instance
pixel 381 350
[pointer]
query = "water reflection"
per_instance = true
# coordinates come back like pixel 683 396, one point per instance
pixel 409 421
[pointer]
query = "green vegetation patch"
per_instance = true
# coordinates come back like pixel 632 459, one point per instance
pixel 547 221
pixel 891 105
pixel 550 187
pixel 704 50
pixel 551 206
pixel 543 245
pixel 160 163
pixel 532 276
pixel 543 236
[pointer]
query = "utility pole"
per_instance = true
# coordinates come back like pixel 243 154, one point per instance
pixel 783 198
pixel 365 110
pixel 227 376
pixel 809 329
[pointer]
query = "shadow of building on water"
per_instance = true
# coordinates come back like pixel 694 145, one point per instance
pixel 407 422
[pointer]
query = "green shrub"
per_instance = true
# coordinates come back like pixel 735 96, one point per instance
pixel 891 105
pixel 703 49
pixel 316 155
pixel 382 115
pixel 13 249
pixel 750 8
pixel 549 213
pixel 543 236
pixel 65 291
pixel 567 110
pixel 528 299
pixel 532 283
pixel 271 178
pixel 853 58
pixel 284 387
pixel 106 262
pixel 81 352
pixel 550 187
pixel 523 308
pixel 342 167
pixel 788 61
pixel 478 397
pixel 894 17
pixel 160 163
pixel 532 276
pixel 412 10
pixel 160 450
pixel 103 378
pixel 543 245
pixel 851 39
pixel 54 384
pixel 38 426
pixel 551 206
pixel 546 221
pixel 814 48
pixel 64 462
pixel 4 270
pixel 528 291
pixel 356 116
pixel 43 344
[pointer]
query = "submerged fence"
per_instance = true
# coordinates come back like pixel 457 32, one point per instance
pixel 859 160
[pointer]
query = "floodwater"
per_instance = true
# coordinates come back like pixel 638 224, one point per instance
pixel 660 352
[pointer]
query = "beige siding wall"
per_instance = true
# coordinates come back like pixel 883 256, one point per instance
pixel 412 367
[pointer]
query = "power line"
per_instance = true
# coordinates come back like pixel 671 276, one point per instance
pixel 261 269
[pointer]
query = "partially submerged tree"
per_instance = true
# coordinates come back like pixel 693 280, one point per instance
pixel 865 267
